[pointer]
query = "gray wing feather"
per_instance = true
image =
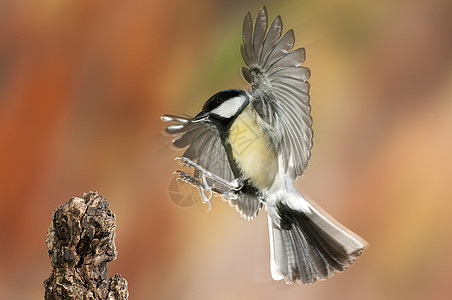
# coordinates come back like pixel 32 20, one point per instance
pixel 284 45
pixel 244 55
pixel 247 36
pixel 259 32
pixel 280 89
pixel 247 205
pixel 272 37
pixel 202 142
pixel 294 58
pixel 188 137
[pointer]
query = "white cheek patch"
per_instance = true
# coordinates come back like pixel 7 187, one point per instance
pixel 230 107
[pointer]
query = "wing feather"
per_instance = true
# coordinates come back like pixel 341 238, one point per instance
pixel 203 145
pixel 272 37
pixel 244 55
pixel 260 29
pixel 284 45
pixel 247 36
pixel 190 136
pixel 280 91
pixel 300 73
pixel 202 142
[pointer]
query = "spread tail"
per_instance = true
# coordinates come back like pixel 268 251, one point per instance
pixel 306 243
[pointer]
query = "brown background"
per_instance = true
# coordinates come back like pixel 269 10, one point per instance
pixel 82 86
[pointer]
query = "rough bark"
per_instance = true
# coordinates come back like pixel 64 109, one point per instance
pixel 80 243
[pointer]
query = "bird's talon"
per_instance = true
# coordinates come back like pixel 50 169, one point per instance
pixel 210 194
pixel 210 206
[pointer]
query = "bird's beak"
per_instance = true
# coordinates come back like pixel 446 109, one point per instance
pixel 200 117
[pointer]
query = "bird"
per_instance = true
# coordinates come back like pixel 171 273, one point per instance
pixel 249 146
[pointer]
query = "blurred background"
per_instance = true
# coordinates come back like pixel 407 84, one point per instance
pixel 82 87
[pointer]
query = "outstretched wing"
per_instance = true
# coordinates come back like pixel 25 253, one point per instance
pixel 280 92
pixel 204 146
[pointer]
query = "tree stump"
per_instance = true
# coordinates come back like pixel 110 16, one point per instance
pixel 80 243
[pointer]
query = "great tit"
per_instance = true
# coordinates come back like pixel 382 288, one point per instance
pixel 249 147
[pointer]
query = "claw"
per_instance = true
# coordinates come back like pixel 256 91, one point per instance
pixel 207 187
pixel 204 197
pixel 236 184
pixel 201 183
pixel 201 186
pixel 183 161
pixel 210 205
pixel 181 158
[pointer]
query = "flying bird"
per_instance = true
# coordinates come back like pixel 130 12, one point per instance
pixel 249 147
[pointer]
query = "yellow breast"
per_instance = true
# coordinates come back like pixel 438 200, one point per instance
pixel 251 149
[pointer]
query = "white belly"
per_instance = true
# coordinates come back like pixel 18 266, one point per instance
pixel 255 156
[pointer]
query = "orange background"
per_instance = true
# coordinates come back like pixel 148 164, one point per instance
pixel 82 86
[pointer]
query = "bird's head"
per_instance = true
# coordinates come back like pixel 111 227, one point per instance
pixel 223 107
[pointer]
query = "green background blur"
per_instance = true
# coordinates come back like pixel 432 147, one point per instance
pixel 82 86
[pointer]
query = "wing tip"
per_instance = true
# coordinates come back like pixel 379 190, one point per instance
pixel 279 20
pixel 171 118
pixel 263 11
pixel 247 20
pixel 166 118
pixel 292 34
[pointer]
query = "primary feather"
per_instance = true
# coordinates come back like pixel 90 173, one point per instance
pixel 280 91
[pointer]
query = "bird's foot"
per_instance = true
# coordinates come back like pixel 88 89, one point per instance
pixel 202 186
pixel 235 184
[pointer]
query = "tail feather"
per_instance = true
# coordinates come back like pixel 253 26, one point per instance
pixel 307 246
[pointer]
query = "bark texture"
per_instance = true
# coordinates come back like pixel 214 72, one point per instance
pixel 80 243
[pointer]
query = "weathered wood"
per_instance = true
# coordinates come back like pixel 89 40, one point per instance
pixel 80 243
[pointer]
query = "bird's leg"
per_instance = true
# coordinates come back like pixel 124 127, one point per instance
pixel 233 185
pixel 230 195
pixel 202 186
